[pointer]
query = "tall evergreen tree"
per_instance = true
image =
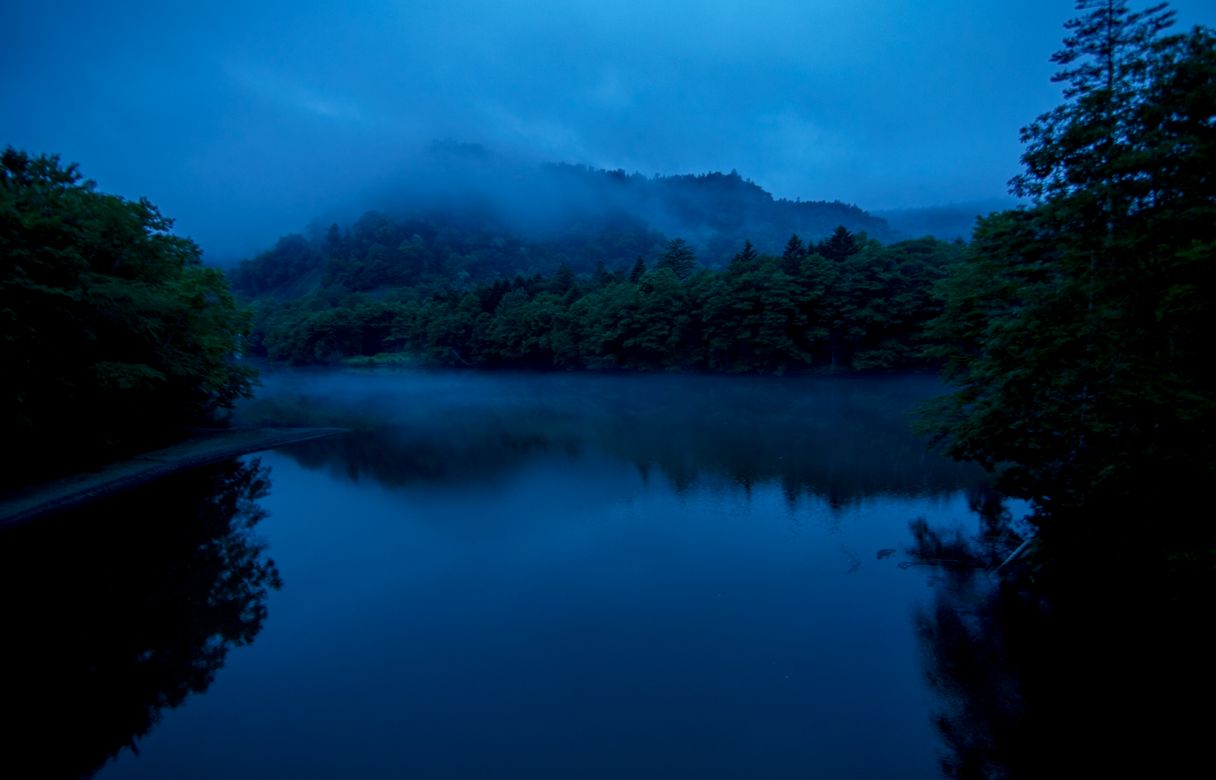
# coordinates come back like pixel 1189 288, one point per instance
pixel 679 257
pixel 639 269
pixel 791 258
pixel 1082 145
pixel 839 245
pixel 1075 332
pixel 747 258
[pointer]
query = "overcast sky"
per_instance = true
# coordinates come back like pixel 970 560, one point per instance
pixel 245 120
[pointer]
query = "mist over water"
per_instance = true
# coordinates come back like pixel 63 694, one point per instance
pixel 552 575
pixel 841 438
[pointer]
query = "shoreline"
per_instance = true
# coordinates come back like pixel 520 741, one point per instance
pixel 36 501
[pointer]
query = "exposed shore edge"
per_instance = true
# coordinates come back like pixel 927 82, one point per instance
pixel 204 448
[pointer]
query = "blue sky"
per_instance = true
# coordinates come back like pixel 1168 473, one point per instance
pixel 245 120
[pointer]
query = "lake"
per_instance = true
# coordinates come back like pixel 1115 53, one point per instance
pixel 507 575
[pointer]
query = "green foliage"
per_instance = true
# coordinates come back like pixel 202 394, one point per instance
pixel 840 244
pixel 114 334
pixel 679 257
pixel 1076 331
pixel 758 315
pixel 753 321
pixel 639 268
pixel 291 260
pixel 602 290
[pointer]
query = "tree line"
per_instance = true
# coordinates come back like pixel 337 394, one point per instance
pixel 844 302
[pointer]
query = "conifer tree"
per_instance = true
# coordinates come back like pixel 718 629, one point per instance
pixel 679 257
pixel 1074 333
pixel 747 258
pixel 792 257
pixel 639 270
pixel 839 245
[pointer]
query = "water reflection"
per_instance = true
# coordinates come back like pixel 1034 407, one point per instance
pixel 116 612
pixel 1078 667
pixel 840 438
pixel 583 576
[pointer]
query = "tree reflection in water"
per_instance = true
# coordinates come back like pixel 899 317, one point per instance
pixel 1082 665
pixel 116 612
pixel 843 439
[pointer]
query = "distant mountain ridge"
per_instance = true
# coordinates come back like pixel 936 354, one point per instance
pixel 947 222
pixel 717 212
pixel 462 212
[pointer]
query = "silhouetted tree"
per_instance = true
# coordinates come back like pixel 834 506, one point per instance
pixel 115 334
pixel 791 258
pixel 679 257
pixel 839 245
pixel 1077 332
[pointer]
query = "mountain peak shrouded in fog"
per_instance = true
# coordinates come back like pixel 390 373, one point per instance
pixel 244 121
pixel 474 186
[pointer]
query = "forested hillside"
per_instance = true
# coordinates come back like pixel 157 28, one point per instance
pixel 845 302
pixel 578 274
pixel 463 211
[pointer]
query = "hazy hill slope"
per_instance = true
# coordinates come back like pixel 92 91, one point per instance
pixel 466 215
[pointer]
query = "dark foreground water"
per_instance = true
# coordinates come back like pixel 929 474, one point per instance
pixel 505 576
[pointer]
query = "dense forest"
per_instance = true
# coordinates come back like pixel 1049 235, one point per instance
pixel 607 291
pixel 1076 332
pixel 115 336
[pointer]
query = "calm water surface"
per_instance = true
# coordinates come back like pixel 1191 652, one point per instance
pixel 529 576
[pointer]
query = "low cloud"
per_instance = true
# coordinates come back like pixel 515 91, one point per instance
pixel 246 121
